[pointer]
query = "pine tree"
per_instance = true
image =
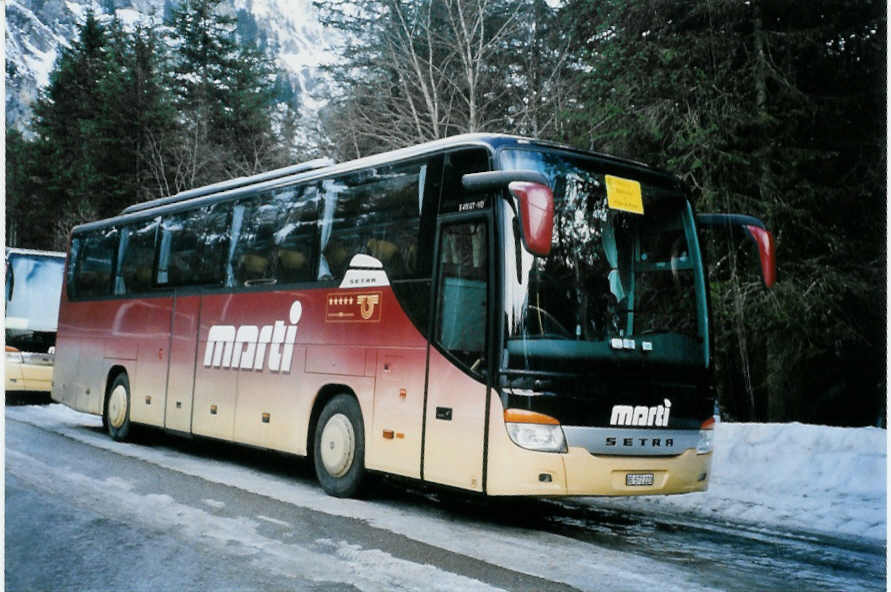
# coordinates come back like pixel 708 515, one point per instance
pixel 125 119
pixel 67 122
pixel 770 111
pixel 98 128
pixel 225 95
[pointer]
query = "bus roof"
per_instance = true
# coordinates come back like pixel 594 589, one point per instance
pixel 320 168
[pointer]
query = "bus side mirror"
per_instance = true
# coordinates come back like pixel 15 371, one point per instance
pixel 534 198
pixel 757 232
pixel 536 203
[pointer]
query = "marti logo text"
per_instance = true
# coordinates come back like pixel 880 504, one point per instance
pixel 250 347
pixel 626 415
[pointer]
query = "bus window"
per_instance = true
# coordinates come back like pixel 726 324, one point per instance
pixel 295 235
pixel 463 290
pixel 33 285
pixel 136 257
pixel 92 277
pixel 276 236
pixel 457 164
pixel 194 246
pixel 376 212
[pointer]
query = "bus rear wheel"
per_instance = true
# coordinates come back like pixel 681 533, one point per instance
pixel 117 408
pixel 339 447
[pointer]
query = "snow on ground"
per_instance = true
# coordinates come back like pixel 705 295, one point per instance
pixel 582 565
pixel 789 477
pixel 796 477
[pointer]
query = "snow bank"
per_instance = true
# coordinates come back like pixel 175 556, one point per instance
pixel 789 477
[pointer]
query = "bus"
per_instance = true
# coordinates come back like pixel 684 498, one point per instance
pixel 33 287
pixel 486 312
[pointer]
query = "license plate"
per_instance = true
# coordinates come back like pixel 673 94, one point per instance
pixel 638 479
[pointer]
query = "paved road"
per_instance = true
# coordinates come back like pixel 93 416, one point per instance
pixel 162 513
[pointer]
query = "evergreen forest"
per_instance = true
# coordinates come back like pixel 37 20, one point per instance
pixel 775 109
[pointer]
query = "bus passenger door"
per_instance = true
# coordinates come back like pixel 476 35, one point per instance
pixel 456 384
pixel 181 373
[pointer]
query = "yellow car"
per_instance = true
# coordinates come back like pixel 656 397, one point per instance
pixel 28 371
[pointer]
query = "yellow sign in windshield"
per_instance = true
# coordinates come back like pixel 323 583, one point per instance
pixel 624 194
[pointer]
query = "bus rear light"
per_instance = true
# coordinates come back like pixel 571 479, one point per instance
pixel 706 441
pixel 534 431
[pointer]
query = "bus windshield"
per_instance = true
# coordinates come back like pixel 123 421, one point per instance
pixel 33 288
pixel 617 286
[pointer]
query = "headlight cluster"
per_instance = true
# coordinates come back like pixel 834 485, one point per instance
pixel 534 431
pixel 706 441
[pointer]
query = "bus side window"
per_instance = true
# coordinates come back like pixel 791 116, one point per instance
pixel 93 275
pixel 463 293
pixel 137 257
pixel 375 212
pixel 295 234
pixel 252 256
pixel 194 246
pixel 275 237
pixel 457 164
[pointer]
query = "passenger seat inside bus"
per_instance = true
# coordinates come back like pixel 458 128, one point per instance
pixel 293 266
pixel 252 267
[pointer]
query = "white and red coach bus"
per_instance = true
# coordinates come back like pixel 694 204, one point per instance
pixel 484 312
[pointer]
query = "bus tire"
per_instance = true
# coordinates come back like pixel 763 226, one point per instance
pixel 117 408
pixel 339 447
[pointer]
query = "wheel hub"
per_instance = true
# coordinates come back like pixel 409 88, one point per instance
pixel 338 445
pixel 117 406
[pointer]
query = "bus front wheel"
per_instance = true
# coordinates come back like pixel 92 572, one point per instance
pixel 339 447
pixel 117 408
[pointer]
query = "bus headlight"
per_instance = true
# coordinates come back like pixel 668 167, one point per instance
pixel 534 431
pixel 706 437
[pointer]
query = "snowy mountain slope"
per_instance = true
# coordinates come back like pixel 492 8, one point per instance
pixel 36 29
pixel 33 37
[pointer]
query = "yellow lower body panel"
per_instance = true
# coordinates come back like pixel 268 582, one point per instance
pixel 587 474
